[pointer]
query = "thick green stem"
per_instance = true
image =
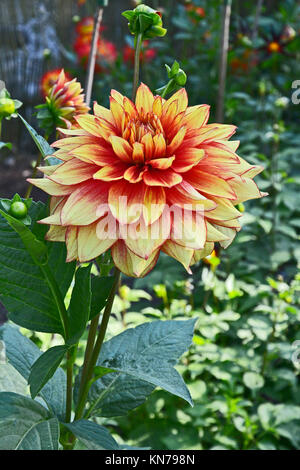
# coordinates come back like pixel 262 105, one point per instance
pixel 71 356
pixel 98 345
pixel 88 353
pixel 136 76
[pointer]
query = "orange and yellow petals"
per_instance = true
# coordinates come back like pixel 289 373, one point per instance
pixel 56 207
pixel 113 172
pixel 157 106
pixel 131 264
pixel 185 196
pixel 196 116
pixel 153 204
pixel 72 243
pixel 117 111
pixel 232 145
pixel 210 184
pixel 104 113
pixel 130 108
pixel 56 233
pixel 181 99
pixel 121 148
pixel 144 239
pixel 162 163
pixel 138 156
pixel 180 253
pixel 215 233
pixel 229 233
pixel 164 178
pixel 224 210
pixel 50 187
pixel 93 240
pixel 92 125
pixel 126 201
pixel 177 141
pixel 245 189
pixel 169 114
pixel 144 99
pixel 200 254
pixel 148 144
pixel 93 153
pixel 160 146
pixel 220 131
pixel 187 159
pixel 73 172
pixel 216 153
pixel 117 96
pixel 85 205
pixel 134 174
pixel 191 232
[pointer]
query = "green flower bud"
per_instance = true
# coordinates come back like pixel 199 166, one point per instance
pixel 18 210
pixel 7 107
pixel 146 21
pixel 181 78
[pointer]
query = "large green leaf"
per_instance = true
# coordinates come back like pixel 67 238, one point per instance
pixel 115 394
pixel 80 304
pixel 11 380
pixel 26 425
pixel 22 354
pixel 147 353
pixel 92 435
pixel 24 287
pixel 44 368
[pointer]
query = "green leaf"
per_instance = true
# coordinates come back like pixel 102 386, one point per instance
pixel 40 142
pixel 21 354
pixel 37 250
pixel 149 353
pixel 115 394
pixel 26 425
pixel 11 380
pixel 253 380
pixel 101 287
pixel 80 304
pixel 44 368
pixel 24 285
pixel 92 435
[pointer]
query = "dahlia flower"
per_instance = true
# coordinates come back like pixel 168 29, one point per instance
pixel 64 101
pixel 145 177
pixel 49 78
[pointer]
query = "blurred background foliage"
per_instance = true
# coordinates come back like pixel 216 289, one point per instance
pixel 244 365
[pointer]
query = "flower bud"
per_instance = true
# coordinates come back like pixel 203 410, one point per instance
pixel 18 210
pixel 146 21
pixel 7 107
pixel 181 78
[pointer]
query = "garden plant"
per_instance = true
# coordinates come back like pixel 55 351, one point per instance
pixel 145 198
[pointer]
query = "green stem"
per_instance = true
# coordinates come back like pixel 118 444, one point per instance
pixel 34 172
pixel 136 76
pixel 71 356
pixel 57 297
pixel 168 88
pixel 98 345
pixel 88 353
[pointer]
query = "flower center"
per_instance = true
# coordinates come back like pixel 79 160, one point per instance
pixel 135 129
